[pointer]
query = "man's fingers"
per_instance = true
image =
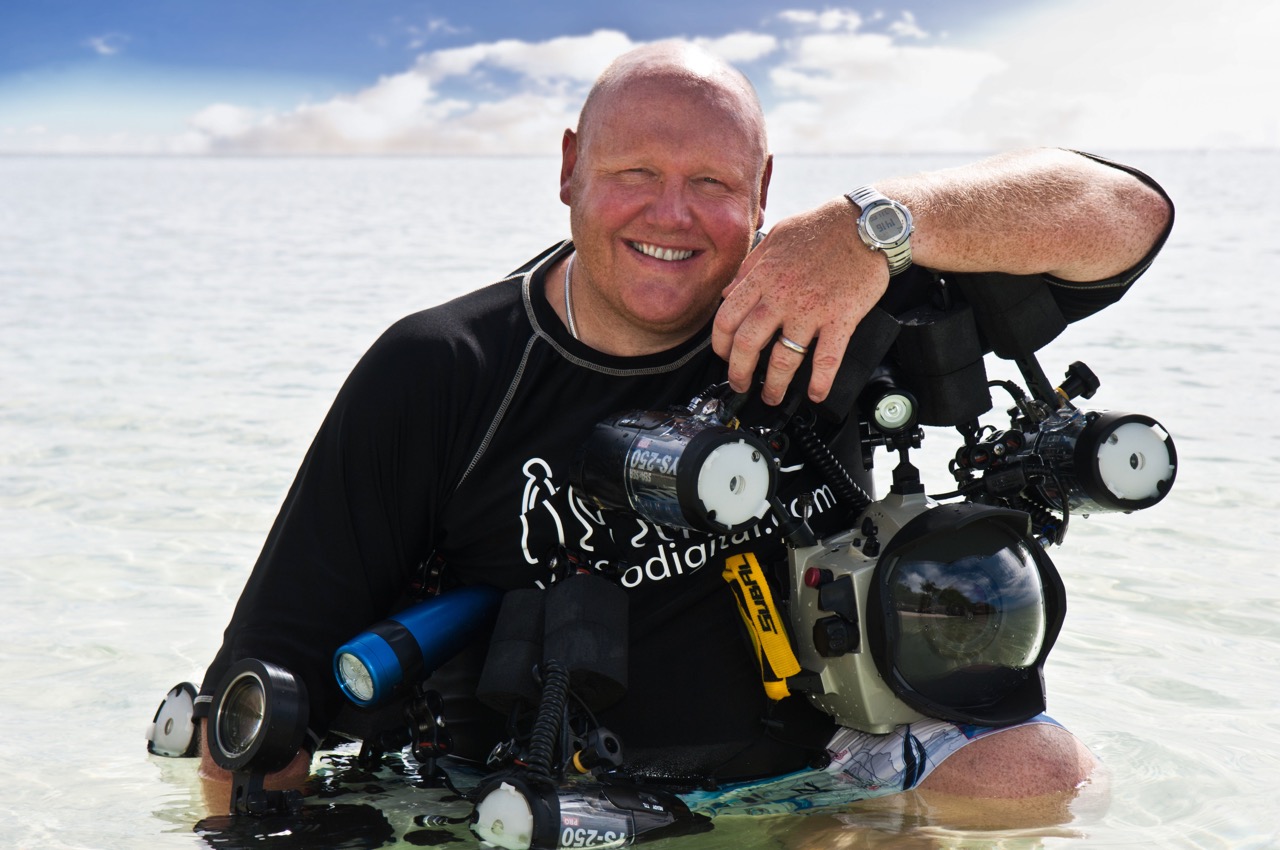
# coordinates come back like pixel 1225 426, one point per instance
pixel 747 265
pixel 732 313
pixel 784 359
pixel 812 279
pixel 748 343
pixel 744 325
pixel 828 354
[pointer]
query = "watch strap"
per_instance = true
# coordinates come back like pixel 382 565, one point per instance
pixel 864 195
pixel 899 253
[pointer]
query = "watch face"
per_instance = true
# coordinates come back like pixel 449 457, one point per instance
pixel 886 224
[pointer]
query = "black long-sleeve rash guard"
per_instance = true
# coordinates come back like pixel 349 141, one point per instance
pixel 454 435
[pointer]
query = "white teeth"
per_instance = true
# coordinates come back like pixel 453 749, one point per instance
pixel 668 254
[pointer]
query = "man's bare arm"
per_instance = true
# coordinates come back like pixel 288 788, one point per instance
pixel 1038 211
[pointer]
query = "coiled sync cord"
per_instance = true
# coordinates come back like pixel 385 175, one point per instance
pixel 833 472
pixel 546 728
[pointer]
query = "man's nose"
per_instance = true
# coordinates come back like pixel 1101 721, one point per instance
pixel 670 207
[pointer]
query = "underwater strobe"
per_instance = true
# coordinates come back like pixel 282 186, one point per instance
pixel 1084 461
pixel 172 732
pixel 685 468
pixel 522 812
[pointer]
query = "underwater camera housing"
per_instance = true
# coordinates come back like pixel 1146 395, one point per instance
pixel 950 610
pixel 952 618
pixel 922 607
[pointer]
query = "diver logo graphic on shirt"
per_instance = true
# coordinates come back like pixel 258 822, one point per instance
pixel 536 504
pixel 638 550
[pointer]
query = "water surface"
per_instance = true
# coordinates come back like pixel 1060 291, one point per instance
pixel 173 330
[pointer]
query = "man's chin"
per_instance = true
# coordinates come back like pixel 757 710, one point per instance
pixel 649 331
pixel 684 316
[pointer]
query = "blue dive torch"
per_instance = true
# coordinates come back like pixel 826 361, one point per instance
pixel 411 644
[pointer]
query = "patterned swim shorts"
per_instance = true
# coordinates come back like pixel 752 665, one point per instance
pixel 862 766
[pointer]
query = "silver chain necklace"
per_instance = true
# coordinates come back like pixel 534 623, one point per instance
pixel 568 297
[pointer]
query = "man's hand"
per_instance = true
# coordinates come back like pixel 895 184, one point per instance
pixel 1038 211
pixel 811 278
pixel 216 782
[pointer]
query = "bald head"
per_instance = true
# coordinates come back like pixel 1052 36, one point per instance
pixel 679 68
pixel 666 179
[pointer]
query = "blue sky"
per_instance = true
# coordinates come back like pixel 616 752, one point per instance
pixel 376 76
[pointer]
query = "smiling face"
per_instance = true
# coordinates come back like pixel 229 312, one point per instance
pixel 666 182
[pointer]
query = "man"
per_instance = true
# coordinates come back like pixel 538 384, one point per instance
pixel 452 440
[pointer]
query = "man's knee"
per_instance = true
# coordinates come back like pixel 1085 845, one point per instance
pixel 1024 761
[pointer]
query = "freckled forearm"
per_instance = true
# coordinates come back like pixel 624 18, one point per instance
pixel 1035 211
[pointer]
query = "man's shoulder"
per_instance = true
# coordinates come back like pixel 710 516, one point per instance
pixel 497 304
pixel 455 347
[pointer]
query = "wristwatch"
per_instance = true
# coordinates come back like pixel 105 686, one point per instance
pixel 884 225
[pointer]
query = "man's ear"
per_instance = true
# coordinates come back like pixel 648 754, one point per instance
pixel 568 159
pixel 764 190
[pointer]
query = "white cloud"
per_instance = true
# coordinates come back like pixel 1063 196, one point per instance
pixel 1142 74
pixel 840 89
pixel 828 20
pixel 222 119
pixel 576 59
pixel 412 113
pixel 108 44
pixel 740 47
pixel 1081 73
pixel 1159 73
pixel 906 27
pixel 392 116
pixel 420 34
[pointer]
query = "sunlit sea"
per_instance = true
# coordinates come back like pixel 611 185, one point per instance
pixel 173 330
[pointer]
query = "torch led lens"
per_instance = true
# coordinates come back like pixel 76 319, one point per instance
pixel 355 677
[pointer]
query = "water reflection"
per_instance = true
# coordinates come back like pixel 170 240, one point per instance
pixel 389 804
pixel 335 826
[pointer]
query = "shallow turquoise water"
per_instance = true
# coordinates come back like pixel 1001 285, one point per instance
pixel 172 331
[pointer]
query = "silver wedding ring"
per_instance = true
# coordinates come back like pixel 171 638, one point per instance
pixel 787 342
